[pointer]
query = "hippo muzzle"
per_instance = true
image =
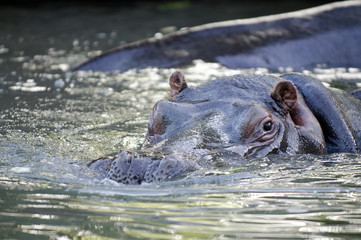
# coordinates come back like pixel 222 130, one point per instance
pixel 243 116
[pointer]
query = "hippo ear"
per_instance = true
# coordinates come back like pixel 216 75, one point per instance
pixel 177 83
pixel 285 95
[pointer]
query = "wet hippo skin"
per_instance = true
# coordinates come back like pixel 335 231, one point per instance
pixel 240 116
pixel 327 35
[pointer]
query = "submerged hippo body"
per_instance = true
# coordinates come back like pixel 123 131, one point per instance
pixel 327 35
pixel 242 116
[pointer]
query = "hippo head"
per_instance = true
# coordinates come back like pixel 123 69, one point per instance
pixel 252 116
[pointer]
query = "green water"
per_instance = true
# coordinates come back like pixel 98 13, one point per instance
pixel 53 121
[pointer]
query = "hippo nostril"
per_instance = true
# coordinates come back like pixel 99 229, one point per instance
pixel 157 125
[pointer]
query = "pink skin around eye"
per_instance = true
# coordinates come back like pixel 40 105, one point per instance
pixel 261 126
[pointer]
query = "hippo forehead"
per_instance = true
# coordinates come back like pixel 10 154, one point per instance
pixel 230 98
pixel 236 89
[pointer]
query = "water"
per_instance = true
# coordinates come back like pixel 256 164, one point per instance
pixel 53 121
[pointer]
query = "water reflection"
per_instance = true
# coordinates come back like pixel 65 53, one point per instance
pixel 47 191
pixel 192 212
pixel 53 121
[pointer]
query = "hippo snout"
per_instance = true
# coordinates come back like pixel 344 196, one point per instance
pixel 157 121
pixel 167 117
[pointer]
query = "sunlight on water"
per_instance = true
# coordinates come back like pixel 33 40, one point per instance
pixel 199 212
pixel 79 116
pixel 54 121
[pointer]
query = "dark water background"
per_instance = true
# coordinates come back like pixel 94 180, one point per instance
pixel 53 121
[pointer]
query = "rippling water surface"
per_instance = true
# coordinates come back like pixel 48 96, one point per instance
pixel 53 121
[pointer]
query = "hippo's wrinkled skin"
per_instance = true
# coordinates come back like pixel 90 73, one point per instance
pixel 328 35
pixel 243 116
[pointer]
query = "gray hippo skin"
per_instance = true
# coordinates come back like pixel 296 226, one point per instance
pixel 328 35
pixel 239 117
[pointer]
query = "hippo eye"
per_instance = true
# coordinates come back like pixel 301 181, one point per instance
pixel 268 126
pixel 261 128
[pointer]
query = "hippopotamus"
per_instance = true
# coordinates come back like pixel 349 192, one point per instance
pixel 326 36
pixel 239 118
